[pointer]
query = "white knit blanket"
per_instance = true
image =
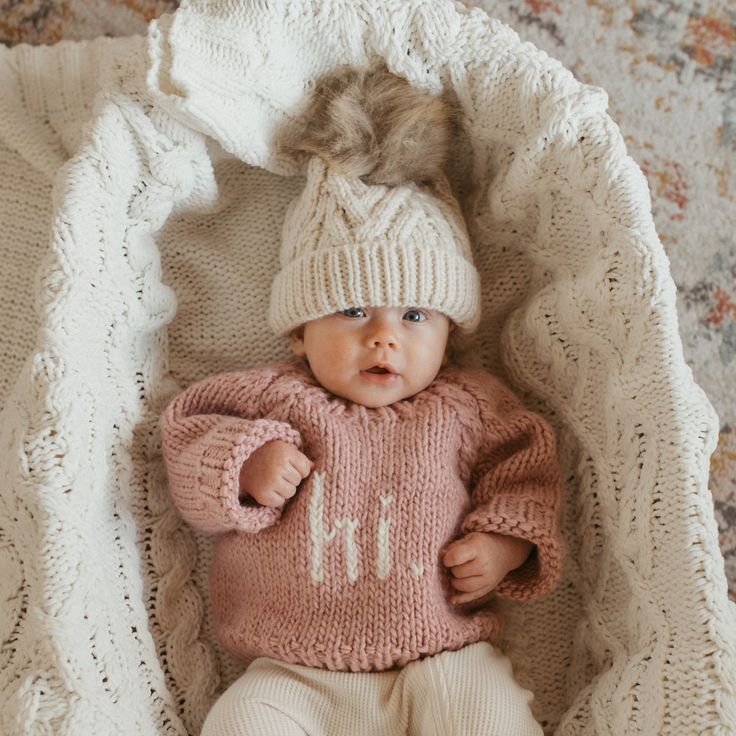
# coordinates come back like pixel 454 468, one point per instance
pixel 140 208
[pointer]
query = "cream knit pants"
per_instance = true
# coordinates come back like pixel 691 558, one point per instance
pixel 468 692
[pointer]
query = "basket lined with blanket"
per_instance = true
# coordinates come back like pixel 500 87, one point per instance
pixel 153 159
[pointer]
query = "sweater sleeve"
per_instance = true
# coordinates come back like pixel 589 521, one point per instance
pixel 515 485
pixel 208 431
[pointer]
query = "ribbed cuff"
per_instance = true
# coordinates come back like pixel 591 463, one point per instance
pixel 524 518
pixel 229 448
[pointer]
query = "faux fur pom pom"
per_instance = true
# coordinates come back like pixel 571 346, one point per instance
pixel 374 125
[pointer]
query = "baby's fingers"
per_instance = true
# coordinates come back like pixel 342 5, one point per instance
pixel 300 463
pixel 272 498
pixel 468 585
pixel 290 474
pixel 467 569
pixel 467 597
pixel 285 489
pixel 458 553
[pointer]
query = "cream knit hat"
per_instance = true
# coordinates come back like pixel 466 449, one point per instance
pixel 347 244
pixel 376 224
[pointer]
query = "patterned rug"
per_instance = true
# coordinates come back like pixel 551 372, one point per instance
pixel 669 69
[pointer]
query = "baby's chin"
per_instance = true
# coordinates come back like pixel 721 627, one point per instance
pixel 375 397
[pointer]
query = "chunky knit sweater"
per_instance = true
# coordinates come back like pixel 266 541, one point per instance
pixel 347 574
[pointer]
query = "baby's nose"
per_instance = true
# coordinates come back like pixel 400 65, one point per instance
pixel 389 342
pixel 383 335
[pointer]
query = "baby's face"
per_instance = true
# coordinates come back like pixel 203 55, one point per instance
pixel 342 348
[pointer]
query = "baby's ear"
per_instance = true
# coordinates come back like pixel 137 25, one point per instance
pixel 297 341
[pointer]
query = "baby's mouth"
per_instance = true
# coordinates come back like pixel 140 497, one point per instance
pixel 381 369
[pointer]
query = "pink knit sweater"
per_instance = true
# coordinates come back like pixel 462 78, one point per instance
pixel 347 575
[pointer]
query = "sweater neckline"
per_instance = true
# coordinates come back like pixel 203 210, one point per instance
pixel 300 371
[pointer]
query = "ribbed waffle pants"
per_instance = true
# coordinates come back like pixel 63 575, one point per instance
pixel 468 692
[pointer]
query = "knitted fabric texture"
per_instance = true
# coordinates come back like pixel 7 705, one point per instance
pixel 346 243
pixel 150 161
pixel 359 545
pixel 411 701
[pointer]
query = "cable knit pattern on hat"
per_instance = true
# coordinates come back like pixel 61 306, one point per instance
pixel 347 243
pixel 358 546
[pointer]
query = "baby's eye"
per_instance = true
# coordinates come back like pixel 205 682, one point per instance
pixel 415 315
pixel 353 312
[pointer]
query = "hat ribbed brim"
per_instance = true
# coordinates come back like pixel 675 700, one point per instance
pixel 379 275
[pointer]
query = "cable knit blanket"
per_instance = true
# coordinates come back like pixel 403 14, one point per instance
pixel 151 159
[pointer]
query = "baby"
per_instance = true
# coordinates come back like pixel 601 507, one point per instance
pixel 371 500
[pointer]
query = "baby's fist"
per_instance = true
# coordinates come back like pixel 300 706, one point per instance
pixel 479 561
pixel 272 473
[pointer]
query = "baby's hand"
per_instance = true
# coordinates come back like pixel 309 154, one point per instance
pixel 481 560
pixel 272 473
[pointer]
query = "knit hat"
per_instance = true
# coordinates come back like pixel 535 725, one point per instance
pixel 349 241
